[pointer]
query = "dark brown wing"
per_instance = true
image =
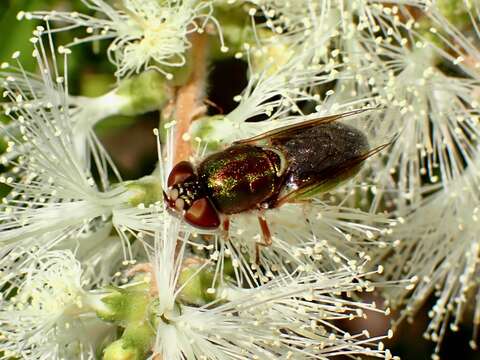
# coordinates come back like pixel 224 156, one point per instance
pixel 287 131
pixel 328 175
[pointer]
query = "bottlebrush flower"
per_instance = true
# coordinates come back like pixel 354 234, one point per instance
pixel 53 191
pixel 99 250
pixel 48 314
pixel 29 91
pixel 423 87
pixel 438 238
pixel 274 92
pixel 438 244
pixel 146 34
pixel 31 95
pixel 288 317
pixel 285 29
pixel 54 196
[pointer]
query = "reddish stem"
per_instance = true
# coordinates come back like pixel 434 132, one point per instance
pixel 189 101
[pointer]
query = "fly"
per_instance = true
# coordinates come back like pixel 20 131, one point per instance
pixel 289 164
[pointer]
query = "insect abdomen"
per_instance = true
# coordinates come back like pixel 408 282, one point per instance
pixel 326 154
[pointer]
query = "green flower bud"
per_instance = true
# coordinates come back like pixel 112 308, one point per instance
pixel 146 92
pixel 212 130
pixel 134 344
pixel 147 191
pixel 199 287
pixel 124 306
pixel 119 351
pixel 129 308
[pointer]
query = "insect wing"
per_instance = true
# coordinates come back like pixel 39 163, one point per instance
pixel 314 186
pixel 289 130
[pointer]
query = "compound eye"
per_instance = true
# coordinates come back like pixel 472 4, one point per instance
pixel 180 172
pixel 202 214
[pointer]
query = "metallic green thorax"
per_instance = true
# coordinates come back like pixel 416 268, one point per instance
pixel 240 178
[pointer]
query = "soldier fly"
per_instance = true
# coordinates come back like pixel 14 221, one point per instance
pixel 289 164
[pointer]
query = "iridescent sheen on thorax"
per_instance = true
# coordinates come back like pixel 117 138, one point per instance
pixel 241 177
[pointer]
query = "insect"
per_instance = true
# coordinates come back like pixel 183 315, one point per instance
pixel 289 164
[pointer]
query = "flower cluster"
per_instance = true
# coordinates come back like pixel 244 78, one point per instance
pixel 367 115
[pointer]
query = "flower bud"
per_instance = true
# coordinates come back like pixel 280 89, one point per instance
pixel 147 191
pixel 199 288
pixel 213 130
pixel 125 305
pixel 145 92
pixel 122 350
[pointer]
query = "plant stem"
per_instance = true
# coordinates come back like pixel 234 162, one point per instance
pixel 189 100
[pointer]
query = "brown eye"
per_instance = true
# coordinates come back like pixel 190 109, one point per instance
pixel 180 172
pixel 202 214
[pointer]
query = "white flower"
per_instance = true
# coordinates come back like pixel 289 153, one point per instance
pixel 146 34
pixel 429 108
pixel 289 317
pixel 277 96
pixel 36 94
pixel 48 315
pixel 25 91
pixel 439 247
pixel 100 250
pixel 437 241
pixel 54 195
pixel 292 27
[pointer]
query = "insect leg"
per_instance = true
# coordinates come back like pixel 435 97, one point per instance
pixel 199 111
pixel 226 228
pixel 212 104
pixel 266 235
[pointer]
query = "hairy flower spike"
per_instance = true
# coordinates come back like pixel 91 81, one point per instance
pixel 49 314
pixel 29 95
pixel 430 110
pixel 286 317
pixel 442 251
pixel 146 34
pixel 55 199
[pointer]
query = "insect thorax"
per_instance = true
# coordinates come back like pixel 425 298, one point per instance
pixel 240 178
